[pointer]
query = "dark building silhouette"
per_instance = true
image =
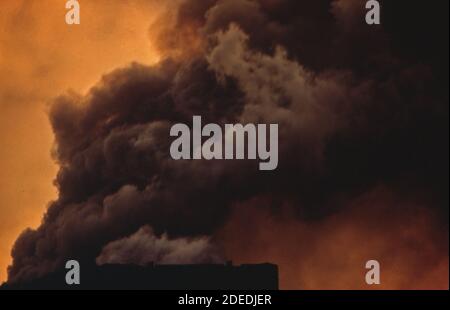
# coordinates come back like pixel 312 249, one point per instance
pixel 162 277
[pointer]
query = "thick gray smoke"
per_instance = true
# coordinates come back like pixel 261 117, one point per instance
pixel 144 248
pixel 349 112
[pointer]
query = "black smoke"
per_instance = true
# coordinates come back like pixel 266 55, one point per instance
pixel 356 105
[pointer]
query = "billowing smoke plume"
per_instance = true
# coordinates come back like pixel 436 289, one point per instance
pixel 354 111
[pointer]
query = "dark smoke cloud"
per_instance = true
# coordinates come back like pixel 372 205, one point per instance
pixel 353 112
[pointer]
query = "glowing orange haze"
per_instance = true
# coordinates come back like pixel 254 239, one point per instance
pixel 331 253
pixel 40 57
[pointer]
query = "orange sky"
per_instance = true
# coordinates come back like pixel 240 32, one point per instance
pixel 40 57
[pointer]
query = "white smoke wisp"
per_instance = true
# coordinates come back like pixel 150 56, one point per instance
pixel 143 248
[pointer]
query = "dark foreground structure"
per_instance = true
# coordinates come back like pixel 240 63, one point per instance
pixel 161 277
